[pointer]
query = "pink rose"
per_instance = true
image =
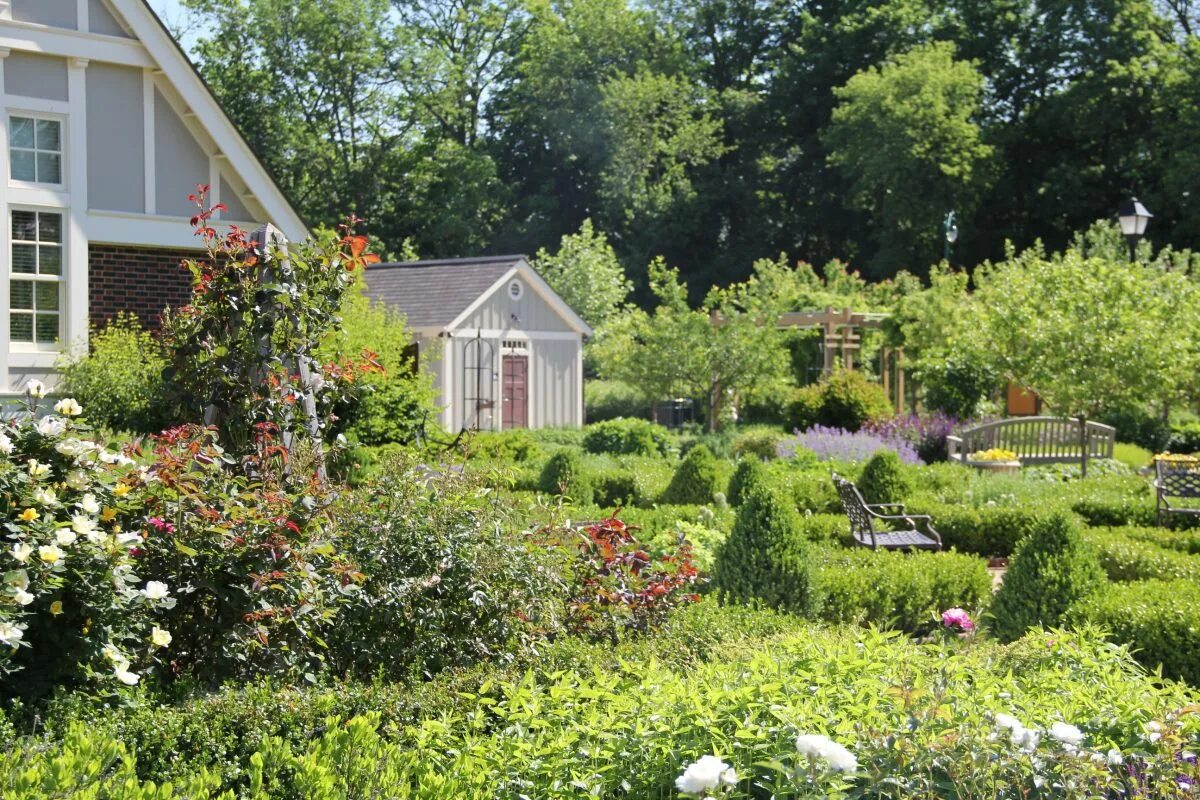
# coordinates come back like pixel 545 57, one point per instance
pixel 957 618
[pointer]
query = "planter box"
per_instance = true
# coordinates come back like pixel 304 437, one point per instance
pixel 1003 467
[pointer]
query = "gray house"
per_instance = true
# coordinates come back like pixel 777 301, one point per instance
pixel 504 349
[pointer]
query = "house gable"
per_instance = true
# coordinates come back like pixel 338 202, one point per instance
pixel 521 300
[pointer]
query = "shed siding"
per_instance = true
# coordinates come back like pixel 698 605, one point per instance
pixel 33 75
pixel 116 139
pixel 553 383
pixel 58 13
pixel 533 313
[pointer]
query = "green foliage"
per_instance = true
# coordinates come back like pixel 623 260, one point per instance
pixel 604 400
pixel 441 578
pixel 884 479
pixel 119 380
pixel 897 590
pixel 512 446
pixel 766 560
pixel 748 475
pixel 905 135
pixel 1184 438
pixel 1155 618
pixel 1051 569
pixel 625 436
pixel 585 272
pixel 1129 559
pixel 844 399
pixel 697 479
pixel 761 444
pixel 956 386
pixel 1131 455
pixel 564 475
pixel 393 404
pixel 986 530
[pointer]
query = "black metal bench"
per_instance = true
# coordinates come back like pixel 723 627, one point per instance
pixel 1178 481
pixel 863 517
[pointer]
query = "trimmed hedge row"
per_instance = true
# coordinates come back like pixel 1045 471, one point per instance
pixel 895 590
pixel 1157 619
pixel 1125 558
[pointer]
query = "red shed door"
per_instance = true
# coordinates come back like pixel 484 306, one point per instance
pixel 516 392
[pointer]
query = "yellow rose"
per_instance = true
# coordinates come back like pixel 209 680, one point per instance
pixel 108 515
pixel 121 489
pixel 56 607
pixel 29 514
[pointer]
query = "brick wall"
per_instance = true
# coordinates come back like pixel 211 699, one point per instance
pixel 139 280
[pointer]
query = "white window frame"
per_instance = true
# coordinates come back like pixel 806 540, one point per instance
pixel 63 145
pixel 60 280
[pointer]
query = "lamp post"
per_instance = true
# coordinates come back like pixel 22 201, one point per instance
pixel 1134 217
pixel 950 230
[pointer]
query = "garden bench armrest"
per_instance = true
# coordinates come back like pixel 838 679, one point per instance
pixel 874 506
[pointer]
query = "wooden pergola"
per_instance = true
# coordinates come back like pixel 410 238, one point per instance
pixel 841 337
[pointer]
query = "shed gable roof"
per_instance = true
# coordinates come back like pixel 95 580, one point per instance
pixel 438 294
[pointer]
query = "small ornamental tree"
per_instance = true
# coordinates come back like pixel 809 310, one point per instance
pixel 243 351
pixel 696 479
pixel 884 479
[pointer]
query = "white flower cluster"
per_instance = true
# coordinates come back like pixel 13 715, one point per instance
pixel 68 520
pixel 822 748
pixel 1068 736
pixel 706 774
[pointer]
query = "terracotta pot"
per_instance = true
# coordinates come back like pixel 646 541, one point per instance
pixel 1004 467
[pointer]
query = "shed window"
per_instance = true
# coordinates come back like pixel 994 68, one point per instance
pixel 36 277
pixel 35 150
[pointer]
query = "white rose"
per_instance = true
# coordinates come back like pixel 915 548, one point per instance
pixel 18 579
pixel 704 775
pixel 44 497
pixel 156 590
pixel 82 524
pixel 35 389
pixel 68 407
pixel 37 469
pixel 89 505
pixel 21 552
pixel 50 553
pixel 64 537
pixel 77 479
pixel 10 634
pixel 23 597
pixel 837 757
pixel 159 637
pixel 51 426
pixel 126 677
pixel 6 445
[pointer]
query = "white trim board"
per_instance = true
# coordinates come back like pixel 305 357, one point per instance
pixel 539 285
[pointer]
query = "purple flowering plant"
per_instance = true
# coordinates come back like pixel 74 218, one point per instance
pixel 839 444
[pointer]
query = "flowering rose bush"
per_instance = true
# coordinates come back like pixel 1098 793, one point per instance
pixel 75 601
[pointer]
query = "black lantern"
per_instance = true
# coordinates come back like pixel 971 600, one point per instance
pixel 1134 218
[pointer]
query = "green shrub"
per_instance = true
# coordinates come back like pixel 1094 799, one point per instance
pixel 1183 541
pixel 1157 619
pixel 844 399
pixel 826 528
pixel 897 590
pixel 625 436
pixel 987 531
pixel 697 479
pixel 120 380
pixel 564 475
pixel 956 386
pixel 761 444
pixel 603 400
pixel 441 576
pixel 884 479
pixel 748 473
pixel 512 446
pixel 613 485
pixel 1184 438
pixel 766 559
pixel 1129 559
pixel 1051 569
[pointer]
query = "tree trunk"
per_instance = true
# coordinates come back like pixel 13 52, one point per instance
pixel 1084 445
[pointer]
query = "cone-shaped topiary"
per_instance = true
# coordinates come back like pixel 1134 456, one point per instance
pixel 749 473
pixel 1051 569
pixel 696 479
pixel 563 474
pixel 766 559
pixel 884 479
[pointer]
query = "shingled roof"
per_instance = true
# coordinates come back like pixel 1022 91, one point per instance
pixel 432 294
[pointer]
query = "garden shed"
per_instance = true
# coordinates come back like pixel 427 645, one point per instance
pixel 505 351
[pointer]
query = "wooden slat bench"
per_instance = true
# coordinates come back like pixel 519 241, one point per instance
pixel 1035 440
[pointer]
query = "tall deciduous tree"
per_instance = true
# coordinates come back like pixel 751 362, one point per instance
pixel 587 274
pixel 906 137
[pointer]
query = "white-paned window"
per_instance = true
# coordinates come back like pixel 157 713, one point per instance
pixel 35 287
pixel 35 150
